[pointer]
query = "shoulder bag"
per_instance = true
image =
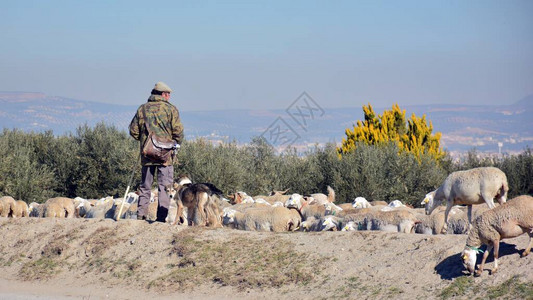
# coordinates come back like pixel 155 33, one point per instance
pixel 156 149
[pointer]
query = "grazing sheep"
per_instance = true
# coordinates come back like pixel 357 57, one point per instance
pixel 373 219
pixel 7 206
pixel 311 224
pixel 277 219
pixel 228 216
pixel 21 209
pixel 326 223
pixel 228 213
pixel 237 197
pixel 350 226
pixel 276 196
pixel 102 208
pixel 262 201
pixel 348 211
pixel 433 224
pixel 116 208
pixel 360 202
pixel 474 186
pixel 332 209
pixel 331 223
pixel 248 199
pixel 395 221
pixel 82 206
pixel 506 221
pixel 36 210
pixel 298 202
pixel 54 210
pixel 396 204
pixel 345 206
pixel 361 218
pixel 322 199
pixel 66 204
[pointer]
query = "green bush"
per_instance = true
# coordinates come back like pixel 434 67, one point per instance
pixel 96 162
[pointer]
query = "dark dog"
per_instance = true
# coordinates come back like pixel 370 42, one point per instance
pixel 202 208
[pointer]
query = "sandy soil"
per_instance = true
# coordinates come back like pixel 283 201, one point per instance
pixel 130 259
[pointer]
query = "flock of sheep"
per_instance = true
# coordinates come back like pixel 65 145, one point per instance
pixel 317 212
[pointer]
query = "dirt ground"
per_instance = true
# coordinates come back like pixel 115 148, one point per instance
pixel 130 259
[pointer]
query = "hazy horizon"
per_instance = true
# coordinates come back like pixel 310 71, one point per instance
pixel 263 55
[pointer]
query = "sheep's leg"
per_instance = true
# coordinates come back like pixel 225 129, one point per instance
pixel 496 252
pixel 485 255
pixel 446 213
pixel 528 248
pixel 489 200
pixel 469 213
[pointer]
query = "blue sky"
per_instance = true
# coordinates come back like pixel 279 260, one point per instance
pixel 264 54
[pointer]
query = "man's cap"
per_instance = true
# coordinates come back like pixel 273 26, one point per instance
pixel 162 87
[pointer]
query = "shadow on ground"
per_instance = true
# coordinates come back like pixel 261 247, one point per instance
pixel 452 266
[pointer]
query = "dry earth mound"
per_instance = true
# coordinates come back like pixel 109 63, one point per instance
pixel 130 259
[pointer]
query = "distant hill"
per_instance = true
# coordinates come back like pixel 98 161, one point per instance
pixel 463 126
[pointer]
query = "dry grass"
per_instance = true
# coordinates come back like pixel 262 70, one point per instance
pixel 465 287
pixel 239 262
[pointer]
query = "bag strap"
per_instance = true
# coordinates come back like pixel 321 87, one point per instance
pixel 145 120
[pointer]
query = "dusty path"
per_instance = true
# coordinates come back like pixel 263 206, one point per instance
pixel 103 259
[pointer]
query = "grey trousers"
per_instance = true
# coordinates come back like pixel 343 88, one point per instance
pixel 165 178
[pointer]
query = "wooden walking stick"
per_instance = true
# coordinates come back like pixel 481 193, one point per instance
pixel 128 188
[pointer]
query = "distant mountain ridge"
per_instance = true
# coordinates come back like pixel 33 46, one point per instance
pixel 462 126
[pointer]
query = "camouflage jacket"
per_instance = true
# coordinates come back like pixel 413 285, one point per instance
pixel 164 121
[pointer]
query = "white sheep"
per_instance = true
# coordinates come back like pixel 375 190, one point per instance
pixel 321 199
pixel 248 199
pixel 260 201
pixel 275 196
pixel 7 206
pixel 360 202
pixel 228 216
pixel 332 209
pixel 296 201
pixel 396 204
pixel 506 221
pixel 350 226
pixel 132 197
pixel 63 203
pixel 372 219
pixel 474 186
pixel 82 206
pixel 102 208
pixel 21 209
pixel 311 224
pixel 228 213
pixel 277 219
pixel 35 210
pixel 433 224
pixel 331 223
pixel 327 223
